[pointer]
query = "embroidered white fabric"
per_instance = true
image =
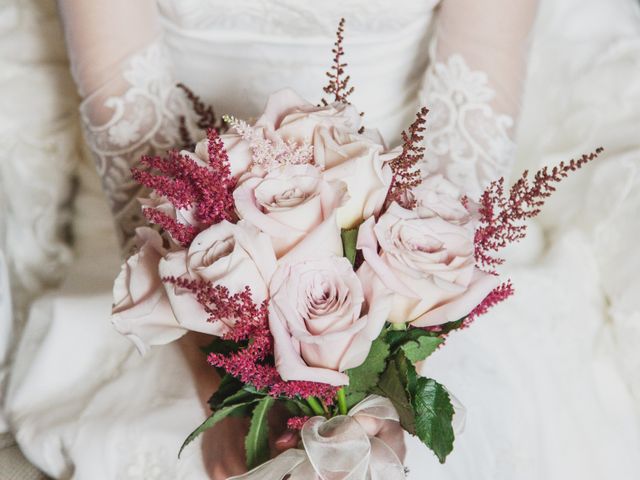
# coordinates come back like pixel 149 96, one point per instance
pixel 467 139
pixel 144 120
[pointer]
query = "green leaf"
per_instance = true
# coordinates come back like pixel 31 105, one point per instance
pixel 228 387
pixel 353 398
pixel 222 346
pixel 349 238
pixel 256 442
pixel 450 326
pixel 393 385
pixel 419 349
pixel 297 408
pixel 365 377
pixel 215 417
pixel 433 417
pixel 408 374
pixel 396 338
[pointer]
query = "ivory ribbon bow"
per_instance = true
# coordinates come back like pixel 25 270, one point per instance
pixel 339 448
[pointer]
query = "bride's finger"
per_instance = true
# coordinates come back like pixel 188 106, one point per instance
pixel 287 440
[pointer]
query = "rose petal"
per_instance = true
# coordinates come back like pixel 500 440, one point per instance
pixel 289 364
pixel 188 311
pixel 368 243
pixel 278 106
pixel 480 286
pixel 323 241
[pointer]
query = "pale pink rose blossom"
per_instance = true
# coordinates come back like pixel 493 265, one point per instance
pixel 141 310
pixel 339 149
pixel 184 216
pixel 238 151
pixel 230 255
pixel 426 258
pixel 318 316
pixel 287 203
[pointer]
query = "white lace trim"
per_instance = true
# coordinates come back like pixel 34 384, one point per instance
pixel 144 120
pixel 466 139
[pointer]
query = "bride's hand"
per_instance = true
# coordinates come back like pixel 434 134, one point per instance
pixel 223 445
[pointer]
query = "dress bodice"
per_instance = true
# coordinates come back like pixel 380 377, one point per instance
pixel 235 54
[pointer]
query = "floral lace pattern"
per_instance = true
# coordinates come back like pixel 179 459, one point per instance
pixel 143 120
pixel 467 140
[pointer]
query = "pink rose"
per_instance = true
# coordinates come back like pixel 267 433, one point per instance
pixel 184 216
pixel 293 118
pixel 238 151
pixel 233 256
pixel 141 310
pixel 358 159
pixel 287 203
pixel 426 258
pixel 318 316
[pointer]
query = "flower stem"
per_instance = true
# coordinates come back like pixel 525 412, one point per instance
pixel 315 405
pixel 342 402
pixel 398 326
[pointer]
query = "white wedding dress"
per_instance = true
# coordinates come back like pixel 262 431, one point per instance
pixel 550 379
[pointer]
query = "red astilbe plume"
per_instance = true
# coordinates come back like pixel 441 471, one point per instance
pixel 501 215
pixel 495 296
pixel 206 116
pixel 252 363
pixel 296 423
pixel 338 85
pixel 186 184
pixel 405 175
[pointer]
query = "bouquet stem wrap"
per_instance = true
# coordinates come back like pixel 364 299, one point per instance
pixel 341 448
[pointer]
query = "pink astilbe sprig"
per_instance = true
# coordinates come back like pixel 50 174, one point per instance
pixel 405 174
pixel 208 189
pixel 338 84
pixel 183 234
pixel 296 423
pixel 495 296
pixel 206 117
pixel 270 154
pixel 252 363
pixel 501 215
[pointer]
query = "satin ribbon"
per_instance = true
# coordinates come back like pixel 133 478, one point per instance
pixel 341 449
pixel 338 449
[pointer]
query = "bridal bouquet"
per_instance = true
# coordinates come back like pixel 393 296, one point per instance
pixel 326 267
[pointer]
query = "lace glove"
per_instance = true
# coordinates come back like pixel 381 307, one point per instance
pixel 473 88
pixel 130 105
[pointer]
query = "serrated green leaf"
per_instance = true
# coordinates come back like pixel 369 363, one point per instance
pixel 228 387
pixel 365 377
pixel 392 386
pixel 220 345
pixel 408 374
pixel 433 417
pixel 451 326
pixel 396 338
pixel 256 442
pixel 297 408
pixel 419 349
pixel 353 398
pixel 215 417
pixel 349 239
